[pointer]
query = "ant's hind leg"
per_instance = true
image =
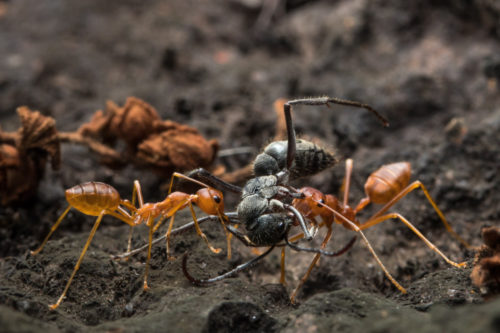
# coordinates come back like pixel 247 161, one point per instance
pixel 377 220
pixel 416 184
pixel 77 266
pixel 311 266
pixel 54 227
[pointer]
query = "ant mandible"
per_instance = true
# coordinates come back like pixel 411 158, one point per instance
pixel 100 199
pixel 265 207
pixel 386 186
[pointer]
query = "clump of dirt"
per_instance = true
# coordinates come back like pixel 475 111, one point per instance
pixel 430 67
pixel 486 272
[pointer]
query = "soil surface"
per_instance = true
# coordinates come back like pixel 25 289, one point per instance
pixel 431 67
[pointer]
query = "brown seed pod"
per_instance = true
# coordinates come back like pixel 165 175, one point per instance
pixel 486 272
pixel 38 135
pixel 182 148
pixel 134 122
pixel 18 175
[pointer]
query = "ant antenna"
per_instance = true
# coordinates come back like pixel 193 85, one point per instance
pixel 322 252
pixel 199 282
pixel 287 109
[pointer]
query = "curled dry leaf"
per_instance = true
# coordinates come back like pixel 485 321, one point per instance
pixel 38 135
pixel 182 148
pixel 23 155
pixel 18 175
pixel 486 272
pixel 98 127
pixel 165 146
pixel 132 123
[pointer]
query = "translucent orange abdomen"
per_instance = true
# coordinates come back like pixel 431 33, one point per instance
pixel 386 182
pixel 92 198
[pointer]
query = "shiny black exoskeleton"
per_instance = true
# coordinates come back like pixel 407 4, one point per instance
pixel 265 207
pixel 265 201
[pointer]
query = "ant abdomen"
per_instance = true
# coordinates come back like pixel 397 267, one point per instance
pixel 387 181
pixel 92 198
pixel 309 159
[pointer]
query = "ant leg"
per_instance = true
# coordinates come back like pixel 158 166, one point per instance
pixel 232 218
pixel 282 274
pixel 300 218
pixel 136 193
pixel 316 259
pixel 215 181
pixel 347 180
pixel 150 244
pixel 235 270
pixel 241 236
pixel 199 232
pixel 161 238
pixel 54 227
pixel 228 236
pixel 167 236
pixel 77 266
pixel 123 216
pixel 351 225
pixel 418 184
pixel 379 219
pixel 311 266
pixel 320 251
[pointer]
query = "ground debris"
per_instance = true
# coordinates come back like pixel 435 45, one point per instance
pixel 160 145
pixel 486 272
pixel 23 155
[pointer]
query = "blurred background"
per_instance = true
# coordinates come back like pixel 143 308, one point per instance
pixel 430 67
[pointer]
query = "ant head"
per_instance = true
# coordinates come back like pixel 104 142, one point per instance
pixel 211 201
pixel 315 199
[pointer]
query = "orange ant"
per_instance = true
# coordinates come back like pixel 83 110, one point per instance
pixel 99 199
pixel 387 185
pixel 94 199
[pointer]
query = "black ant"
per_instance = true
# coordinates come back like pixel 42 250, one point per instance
pixel 266 207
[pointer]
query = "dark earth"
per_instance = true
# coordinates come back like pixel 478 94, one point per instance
pixel 431 67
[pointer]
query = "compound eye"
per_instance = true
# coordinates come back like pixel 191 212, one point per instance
pixel 322 201
pixel 216 198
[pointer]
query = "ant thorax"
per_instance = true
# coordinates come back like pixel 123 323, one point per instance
pixel 255 197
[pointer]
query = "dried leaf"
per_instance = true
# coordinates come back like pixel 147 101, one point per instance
pixel 18 176
pixel 179 149
pixel 486 271
pixel 98 127
pixel 38 134
pixel 134 122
